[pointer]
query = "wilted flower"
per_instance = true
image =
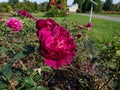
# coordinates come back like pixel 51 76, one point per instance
pixel 52 3
pixel 15 24
pixel 67 13
pixel 78 36
pixel 80 27
pixel 56 44
pixel 59 6
pixel 89 25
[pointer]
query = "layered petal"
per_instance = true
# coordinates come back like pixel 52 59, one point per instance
pixel 56 44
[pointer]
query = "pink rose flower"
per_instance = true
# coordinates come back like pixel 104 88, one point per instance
pixel 25 14
pixel 89 25
pixel 15 24
pixel 41 23
pixel 22 12
pixel 59 6
pixel 56 44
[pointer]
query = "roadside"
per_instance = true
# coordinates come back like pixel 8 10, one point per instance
pixel 116 19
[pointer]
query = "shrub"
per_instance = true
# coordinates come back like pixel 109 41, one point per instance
pixel 56 8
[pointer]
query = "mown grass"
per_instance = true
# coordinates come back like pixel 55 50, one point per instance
pixel 112 15
pixel 103 30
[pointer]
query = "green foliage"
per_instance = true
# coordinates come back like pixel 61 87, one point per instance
pixel 117 7
pixel 43 6
pixel 3 7
pixel 11 75
pixel 108 5
pixel 98 8
pixel 14 5
pixel 109 62
pixel 13 1
pixel 9 8
pixel 28 6
pixel 85 5
pixel 54 11
pixel 64 4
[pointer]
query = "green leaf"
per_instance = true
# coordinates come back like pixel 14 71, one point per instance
pixel 118 53
pixel 29 82
pixel 3 86
pixel 37 77
pixel 41 88
pixel 32 88
pixel 24 53
pixel 7 71
pixel 47 69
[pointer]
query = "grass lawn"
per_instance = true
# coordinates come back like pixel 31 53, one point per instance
pixel 102 31
pixel 112 15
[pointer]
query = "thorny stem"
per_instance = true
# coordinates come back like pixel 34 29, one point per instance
pixel 33 73
pixel 52 76
pixel 22 65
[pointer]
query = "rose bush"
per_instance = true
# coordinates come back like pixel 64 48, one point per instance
pixel 24 13
pixel 15 24
pixel 56 44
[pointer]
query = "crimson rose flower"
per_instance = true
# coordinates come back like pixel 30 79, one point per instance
pixel 52 3
pixel 56 44
pixel 59 6
pixel 25 14
pixel 89 25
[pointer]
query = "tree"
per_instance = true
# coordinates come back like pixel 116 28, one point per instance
pixel 86 6
pixel 98 8
pixel 13 3
pixel 107 6
pixel 43 6
pixel 4 7
pixel 117 7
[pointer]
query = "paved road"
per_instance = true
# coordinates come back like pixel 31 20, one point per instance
pixel 116 19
